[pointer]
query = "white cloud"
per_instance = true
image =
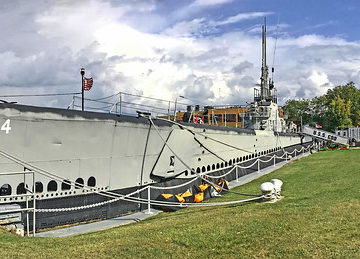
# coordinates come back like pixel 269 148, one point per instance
pixel 187 58
pixel 210 2
pixel 241 17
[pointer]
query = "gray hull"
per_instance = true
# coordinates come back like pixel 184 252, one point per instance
pixel 117 153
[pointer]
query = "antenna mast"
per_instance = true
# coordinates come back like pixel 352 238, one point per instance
pixel 264 69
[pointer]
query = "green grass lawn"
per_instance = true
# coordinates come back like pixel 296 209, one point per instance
pixel 318 217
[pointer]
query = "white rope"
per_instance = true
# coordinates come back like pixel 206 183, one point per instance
pixel 265 161
pixel 174 187
pixel 221 176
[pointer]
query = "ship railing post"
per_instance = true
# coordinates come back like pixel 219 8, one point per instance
pixel 148 200
pixel 274 159
pixel 34 203
pixel 237 173
pixel 120 102
pixel 169 111
pixel 27 209
pixel 73 103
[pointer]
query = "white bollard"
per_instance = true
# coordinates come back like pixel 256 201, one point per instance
pixel 277 187
pixel 268 191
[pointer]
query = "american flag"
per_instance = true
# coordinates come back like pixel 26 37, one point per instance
pixel 88 82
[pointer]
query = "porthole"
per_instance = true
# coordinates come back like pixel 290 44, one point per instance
pixel 65 185
pixel 52 186
pixel 5 190
pixel 208 168
pixel 21 189
pixel 185 172
pixel 217 166
pixel 91 181
pixel 79 183
pixel 213 167
pixel 237 160
pixel 230 162
pixel 198 170
pixel 39 187
pixel 226 163
pixel 203 169
pixel 222 164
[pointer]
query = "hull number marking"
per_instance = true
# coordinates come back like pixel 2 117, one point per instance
pixel 6 126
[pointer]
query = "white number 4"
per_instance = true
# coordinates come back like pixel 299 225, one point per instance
pixel 6 126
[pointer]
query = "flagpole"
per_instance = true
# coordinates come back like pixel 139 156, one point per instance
pixel 82 72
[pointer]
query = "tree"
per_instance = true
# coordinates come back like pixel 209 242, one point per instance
pixel 338 108
pixel 299 111
pixel 338 114
pixel 350 93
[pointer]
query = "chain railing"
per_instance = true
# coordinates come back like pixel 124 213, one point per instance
pixel 148 201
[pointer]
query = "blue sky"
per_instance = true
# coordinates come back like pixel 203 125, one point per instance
pixel 205 50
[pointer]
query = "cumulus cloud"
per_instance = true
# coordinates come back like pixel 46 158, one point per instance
pixel 317 83
pixel 192 57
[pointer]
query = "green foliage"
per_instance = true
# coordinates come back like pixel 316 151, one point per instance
pixel 337 116
pixel 350 93
pixel 317 218
pixel 298 110
pixel 337 109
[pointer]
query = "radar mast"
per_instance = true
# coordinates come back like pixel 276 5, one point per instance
pixel 267 91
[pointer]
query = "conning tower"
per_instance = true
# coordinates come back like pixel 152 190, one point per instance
pixel 264 111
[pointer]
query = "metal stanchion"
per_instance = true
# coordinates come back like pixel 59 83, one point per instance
pixel 237 173
pixel 34 203
pixel 148 201
pixel 274 159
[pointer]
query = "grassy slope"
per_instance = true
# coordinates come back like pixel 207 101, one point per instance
pixel 319 217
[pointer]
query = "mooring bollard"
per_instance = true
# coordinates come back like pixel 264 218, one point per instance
pixel 268 191
pixel 277 187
